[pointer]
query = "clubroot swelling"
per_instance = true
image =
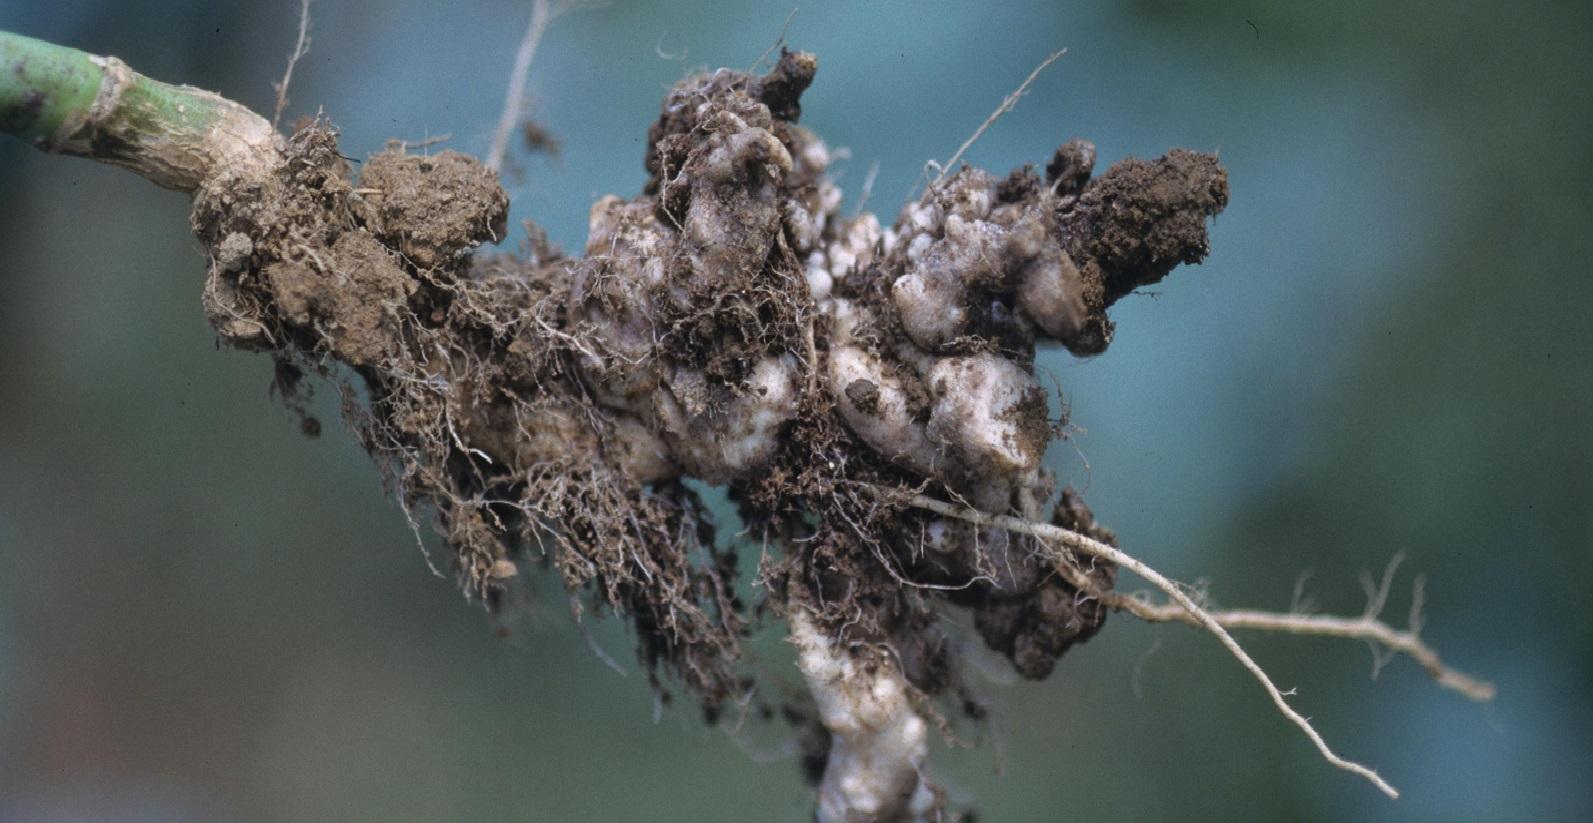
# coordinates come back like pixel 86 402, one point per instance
pixel 843 379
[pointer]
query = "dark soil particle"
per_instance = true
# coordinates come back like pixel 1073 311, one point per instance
pixel 1021 186
pixel 1070 168
pixel 354 294
pixel 432 207
pixel 864 394
pixel 1141 218
pixel 1036 626
pixel 782 88
pixel 538 140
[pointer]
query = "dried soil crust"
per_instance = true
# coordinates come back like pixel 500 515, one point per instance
pixel 729 325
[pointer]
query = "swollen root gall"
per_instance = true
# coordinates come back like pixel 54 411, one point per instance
pixel 727 325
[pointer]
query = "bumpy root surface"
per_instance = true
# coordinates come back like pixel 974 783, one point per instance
pixel 730 325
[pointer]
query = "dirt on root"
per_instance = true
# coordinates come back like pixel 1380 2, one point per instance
pixel 548 411
pixel 473 410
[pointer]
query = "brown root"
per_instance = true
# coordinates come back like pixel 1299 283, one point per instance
pixel 728 325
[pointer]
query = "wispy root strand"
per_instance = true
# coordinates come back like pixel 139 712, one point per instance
pixel 1061 543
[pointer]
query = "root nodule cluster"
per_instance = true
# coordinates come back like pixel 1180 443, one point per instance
pixel 728 325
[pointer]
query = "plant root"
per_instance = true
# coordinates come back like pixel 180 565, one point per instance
pixel 865 391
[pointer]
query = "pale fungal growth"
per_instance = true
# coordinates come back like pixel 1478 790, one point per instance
pixel 878 743
pixel 719 433
pixel 729 325
pixel 990 418
pixel 873 403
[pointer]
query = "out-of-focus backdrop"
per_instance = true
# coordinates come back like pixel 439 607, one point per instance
pixel 205 615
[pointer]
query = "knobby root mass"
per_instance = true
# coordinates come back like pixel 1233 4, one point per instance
pixel 729 325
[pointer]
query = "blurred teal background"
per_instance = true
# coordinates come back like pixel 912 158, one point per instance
pixel 206 616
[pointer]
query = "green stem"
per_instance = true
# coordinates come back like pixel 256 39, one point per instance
pixel 43 87
pixel 67 101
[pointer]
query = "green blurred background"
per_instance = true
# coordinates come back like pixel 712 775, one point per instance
pixel 206 616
